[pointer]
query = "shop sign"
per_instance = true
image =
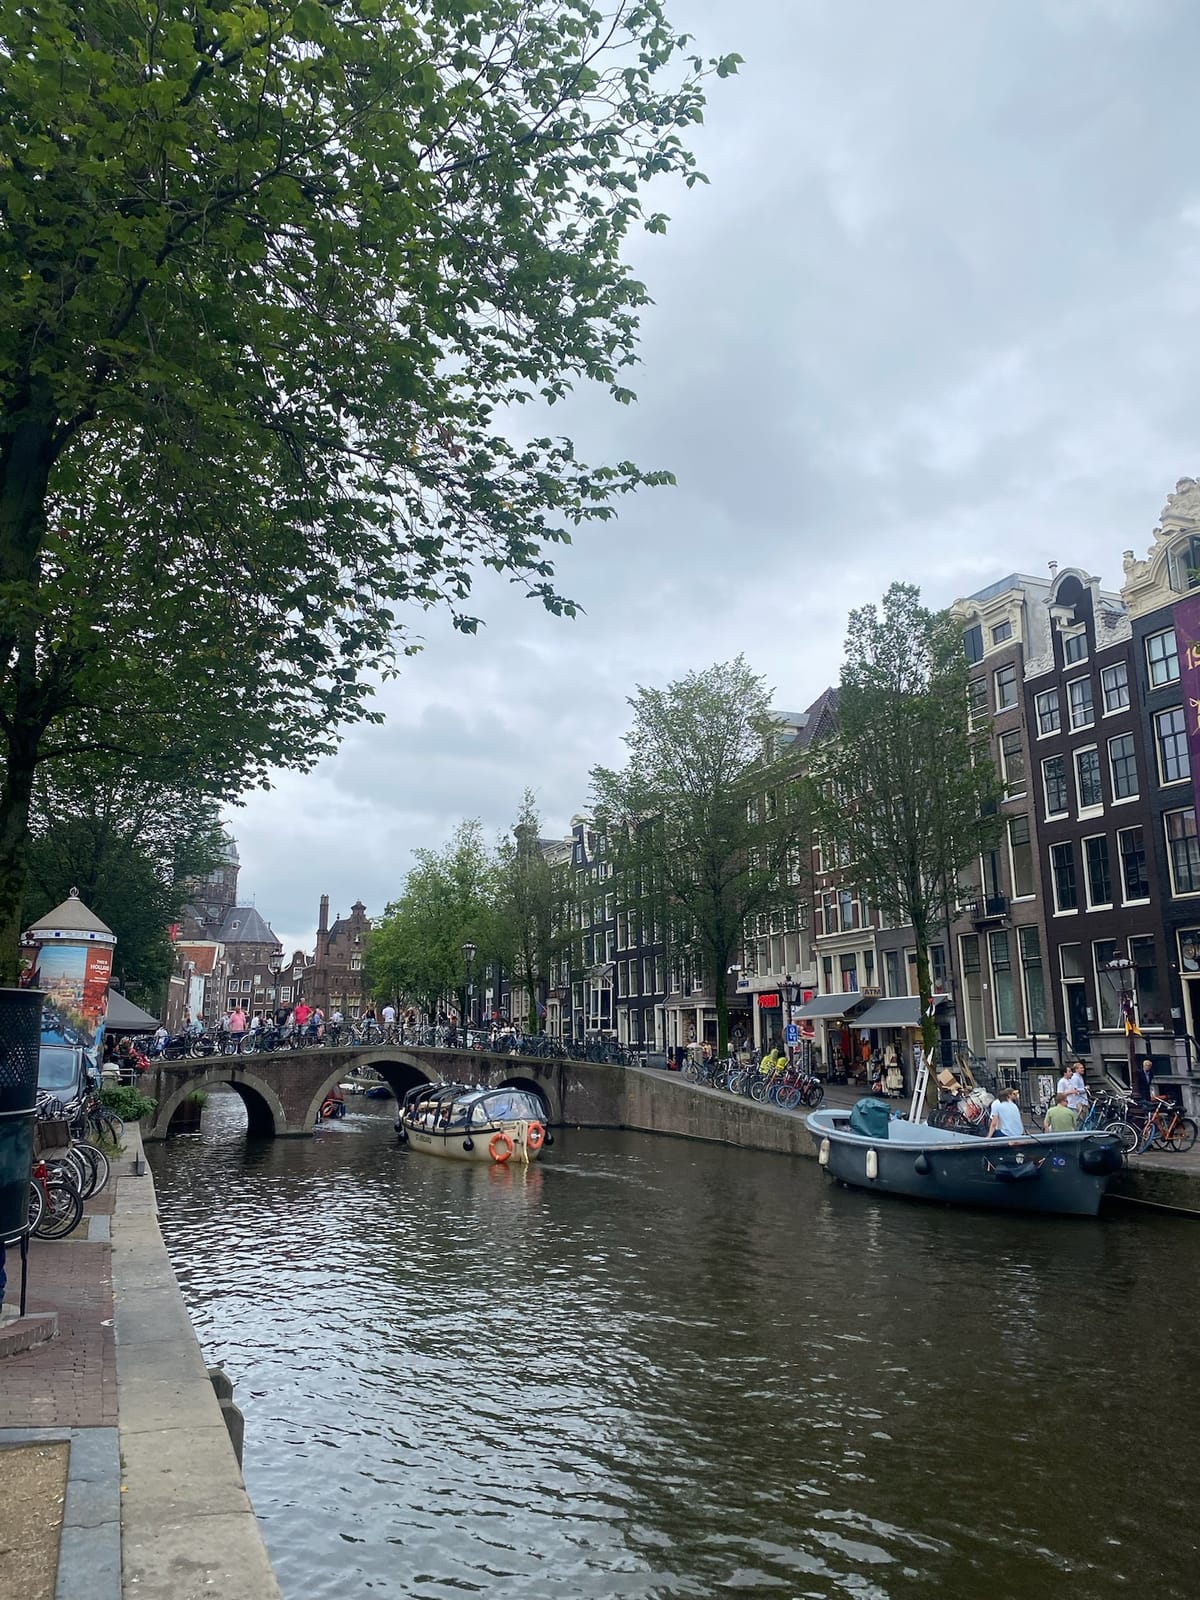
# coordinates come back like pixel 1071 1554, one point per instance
pixel 768 1001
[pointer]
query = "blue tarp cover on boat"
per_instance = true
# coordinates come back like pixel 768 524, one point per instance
pixel 870 1118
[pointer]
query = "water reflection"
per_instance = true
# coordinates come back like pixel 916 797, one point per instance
pixel 650 1368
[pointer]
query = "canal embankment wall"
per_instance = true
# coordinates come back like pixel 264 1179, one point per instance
pixel 187 1526
pixel 663 1103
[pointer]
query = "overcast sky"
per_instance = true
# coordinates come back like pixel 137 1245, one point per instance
pixel 935 319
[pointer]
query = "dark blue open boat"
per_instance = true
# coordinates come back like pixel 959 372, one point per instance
pixel 868 1148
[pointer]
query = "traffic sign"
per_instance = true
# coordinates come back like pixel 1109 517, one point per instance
pixel 791 1034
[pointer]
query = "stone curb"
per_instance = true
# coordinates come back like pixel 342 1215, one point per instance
pixel 188 1529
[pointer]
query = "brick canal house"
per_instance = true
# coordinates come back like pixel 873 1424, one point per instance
pixel 333 980
pixel 1090 903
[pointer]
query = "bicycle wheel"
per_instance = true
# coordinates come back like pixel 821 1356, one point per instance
pixel 1126 1135
pixel 1182 1135
pixel 63 1210
pixel 759 1088
pixel 112 1127
pixel 813 1093
pixel 790 1098
pixel 96 1162
pixel 37 1205
pixel 692 1072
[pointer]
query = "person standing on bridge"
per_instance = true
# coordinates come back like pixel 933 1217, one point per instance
pixel 237 1027
pixel 301 1015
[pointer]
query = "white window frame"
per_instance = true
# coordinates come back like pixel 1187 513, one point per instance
pixel 1010 705
pixel 1055 710
pixel 1176 892
pixel 1152 638
pixel 1091 721
pixel 1123 799
pixel 1094 808
pixel 1069 638
pixel 1163 781
pixel 1063 911
pixel 1095 905
pixel 1013 794
pixel 1123 683
pixel 1012 862
pixel 1066 810
pixel 1141 899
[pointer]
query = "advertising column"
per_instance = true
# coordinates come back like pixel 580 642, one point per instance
pixel 69 953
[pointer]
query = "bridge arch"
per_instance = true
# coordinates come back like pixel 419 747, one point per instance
pixel 265 1115
pixel 400 1074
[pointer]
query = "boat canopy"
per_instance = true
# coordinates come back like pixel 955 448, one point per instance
pixel 461 1103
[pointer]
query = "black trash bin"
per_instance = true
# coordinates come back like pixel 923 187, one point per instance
pixel 20 1040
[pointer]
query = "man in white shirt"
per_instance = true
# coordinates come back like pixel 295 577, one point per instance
pixel 1076 1088
pixel 389 1016
pixel 1006 1117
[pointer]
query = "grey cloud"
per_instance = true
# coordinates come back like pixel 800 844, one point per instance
pixel 935 318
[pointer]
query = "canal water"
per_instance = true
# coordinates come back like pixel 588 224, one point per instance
pixel 651 1368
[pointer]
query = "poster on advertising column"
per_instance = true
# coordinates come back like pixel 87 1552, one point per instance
pixel 75 980
pixel 1187 644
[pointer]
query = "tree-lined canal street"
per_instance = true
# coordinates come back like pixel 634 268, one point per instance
pixel 649 1367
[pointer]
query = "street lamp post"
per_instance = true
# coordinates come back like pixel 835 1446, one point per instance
pixel 468 955
pixel 275 967
pixel 1122 966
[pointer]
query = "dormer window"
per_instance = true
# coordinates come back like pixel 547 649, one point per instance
pixel 1183 565
pixel 1002 633
pixel 1075 647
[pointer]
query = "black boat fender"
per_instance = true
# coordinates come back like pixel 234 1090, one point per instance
pixel 923 1165
pixel 468 1144
pixel 1101 1158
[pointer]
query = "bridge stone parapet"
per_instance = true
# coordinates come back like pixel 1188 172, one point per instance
pixel 283 1090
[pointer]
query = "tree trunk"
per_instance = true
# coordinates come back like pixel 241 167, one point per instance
pixel 26 456
pixel 16 796
pixel 722 1018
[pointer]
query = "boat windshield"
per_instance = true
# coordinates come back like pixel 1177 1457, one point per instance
pixel 509 1105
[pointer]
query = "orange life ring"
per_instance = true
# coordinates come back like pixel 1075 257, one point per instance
pixel 328 1108
pixel 535 1136
pixel 500 1146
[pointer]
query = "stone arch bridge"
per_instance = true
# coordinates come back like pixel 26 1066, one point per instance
pixel 283 1090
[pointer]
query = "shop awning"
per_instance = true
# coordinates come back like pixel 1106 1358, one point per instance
pixel 827 1006
pixel 899 1011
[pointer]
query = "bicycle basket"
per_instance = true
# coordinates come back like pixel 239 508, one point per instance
pixel 49 1134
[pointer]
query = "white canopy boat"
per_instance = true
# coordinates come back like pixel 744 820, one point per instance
pixel 470 1123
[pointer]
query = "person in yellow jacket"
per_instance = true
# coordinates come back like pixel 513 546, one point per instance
pixel 771 1062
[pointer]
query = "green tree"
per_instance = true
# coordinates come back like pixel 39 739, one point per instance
pixel 532 911
pixel 275 278
pixel 414 952
pixel 132 848
pixel 906 790
pixel 704 821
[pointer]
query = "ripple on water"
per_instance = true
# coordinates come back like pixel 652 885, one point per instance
pixel 645 1368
